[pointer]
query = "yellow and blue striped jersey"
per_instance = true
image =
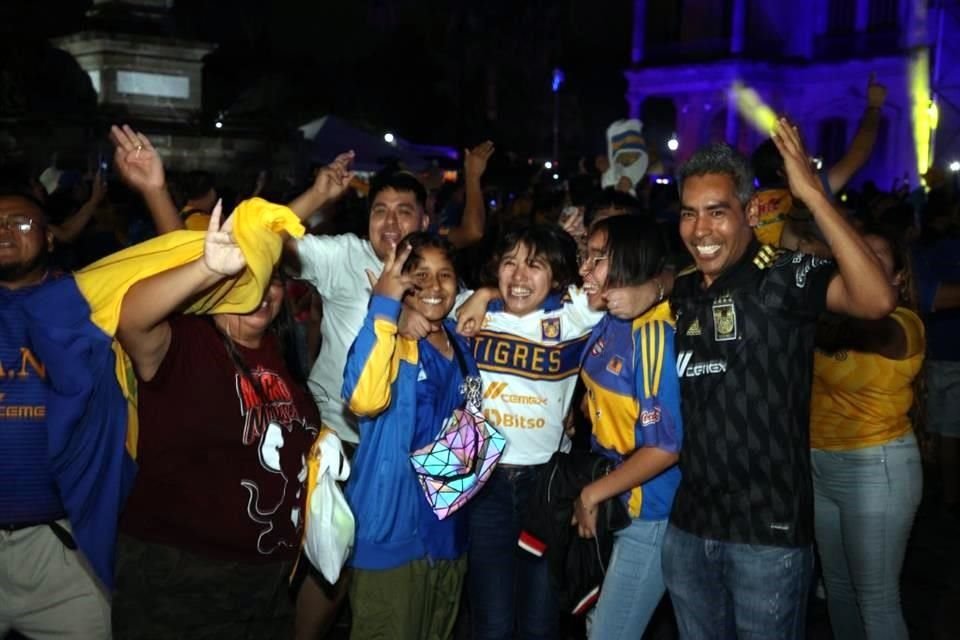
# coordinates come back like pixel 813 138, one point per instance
pixel 633 395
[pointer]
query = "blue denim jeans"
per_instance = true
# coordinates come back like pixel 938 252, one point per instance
pixel 729 590
pixel 865 501
pixel 633 585
pixel 508 588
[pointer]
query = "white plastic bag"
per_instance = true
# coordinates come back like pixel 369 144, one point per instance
pixel 330 526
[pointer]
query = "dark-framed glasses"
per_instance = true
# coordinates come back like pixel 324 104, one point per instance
pixel 20 223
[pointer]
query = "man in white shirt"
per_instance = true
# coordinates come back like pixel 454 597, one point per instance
pixel 337 266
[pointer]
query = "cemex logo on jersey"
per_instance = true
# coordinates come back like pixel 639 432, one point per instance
pixel 275 404
pixel 686 369
pixel 495 391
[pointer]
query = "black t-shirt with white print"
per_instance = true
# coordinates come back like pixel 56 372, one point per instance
pixel 745 361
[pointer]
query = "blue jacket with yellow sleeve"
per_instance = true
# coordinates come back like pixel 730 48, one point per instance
pixel 402 390
pixel 633 395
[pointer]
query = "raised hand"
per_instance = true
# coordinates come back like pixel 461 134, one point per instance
pixel 393 283
pixel 801 176
pixel 333 179
pixel 571 220
pixel 475 160
pixel 631 301
pixel 471 313
pixel 135 159
pixel 98 189
pixel 221 253
pixel 876 92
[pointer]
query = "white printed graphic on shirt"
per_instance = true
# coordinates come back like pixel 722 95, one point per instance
pixel 282 439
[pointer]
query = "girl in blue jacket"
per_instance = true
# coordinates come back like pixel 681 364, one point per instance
pixel 408 565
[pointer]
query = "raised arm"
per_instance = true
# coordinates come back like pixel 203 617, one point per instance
pixel 862 144
pixel 141 168
pixel 144 330
pixel 331 181
pixel 860 289
pixel 72 226
pixel 470 230
pixel 885 337
pixel 372 365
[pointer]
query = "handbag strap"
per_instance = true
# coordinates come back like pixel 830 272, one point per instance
pixel 471 387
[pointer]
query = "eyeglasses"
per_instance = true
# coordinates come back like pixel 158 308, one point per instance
pixel 590 263
pixel 20 223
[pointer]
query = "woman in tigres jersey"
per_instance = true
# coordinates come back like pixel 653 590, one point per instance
pixel 629 369
pixel 866 465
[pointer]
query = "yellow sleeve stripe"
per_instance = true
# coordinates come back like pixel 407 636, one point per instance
pixel 371 396
pixel 652 342
pixel 658 370
pixel 645 358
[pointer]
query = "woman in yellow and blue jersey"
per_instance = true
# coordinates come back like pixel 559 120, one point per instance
pixel 867 476
pixel 633 397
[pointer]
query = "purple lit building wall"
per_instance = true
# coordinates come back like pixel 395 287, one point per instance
pixel 810 59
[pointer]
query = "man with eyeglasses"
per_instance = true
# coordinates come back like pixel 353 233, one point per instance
pixel 47 590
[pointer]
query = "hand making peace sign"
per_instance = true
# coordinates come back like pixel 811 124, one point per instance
pixel 393 283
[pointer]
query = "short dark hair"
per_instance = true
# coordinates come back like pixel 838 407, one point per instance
pixel 719 159
pixel 635 247
pixel 610 198
pixel 398 181
pixel 420 240
pixel 547 241
pixel 24 193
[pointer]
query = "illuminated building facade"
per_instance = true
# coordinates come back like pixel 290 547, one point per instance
pixel 810 60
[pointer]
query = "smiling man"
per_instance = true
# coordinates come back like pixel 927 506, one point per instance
pixel 746 313
pixel 47 590
pixel 337 268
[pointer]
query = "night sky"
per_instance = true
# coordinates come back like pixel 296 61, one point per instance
pixel 434 71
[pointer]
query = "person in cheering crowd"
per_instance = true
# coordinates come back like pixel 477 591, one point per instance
pixel 216 513
pixel 408 566
pixel 48 589
pixel 738 555
pixel 633 400
pixel 528 338
pixel 867 476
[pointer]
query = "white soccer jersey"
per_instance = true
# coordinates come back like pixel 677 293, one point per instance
pixel 529 367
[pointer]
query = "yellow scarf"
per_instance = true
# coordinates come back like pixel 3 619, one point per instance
pixel 257 225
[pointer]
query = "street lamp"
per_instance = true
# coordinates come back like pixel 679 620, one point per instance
pixel 389 138
pixel 673 144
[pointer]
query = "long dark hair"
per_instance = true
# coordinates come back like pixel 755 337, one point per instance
pixel 284 329
pixel 902 263
pixel 907 296
pixel 635 247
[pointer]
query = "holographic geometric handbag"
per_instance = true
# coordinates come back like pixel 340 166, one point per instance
pixel 456 465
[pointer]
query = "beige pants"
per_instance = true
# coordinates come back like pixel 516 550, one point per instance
pixel 47 590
